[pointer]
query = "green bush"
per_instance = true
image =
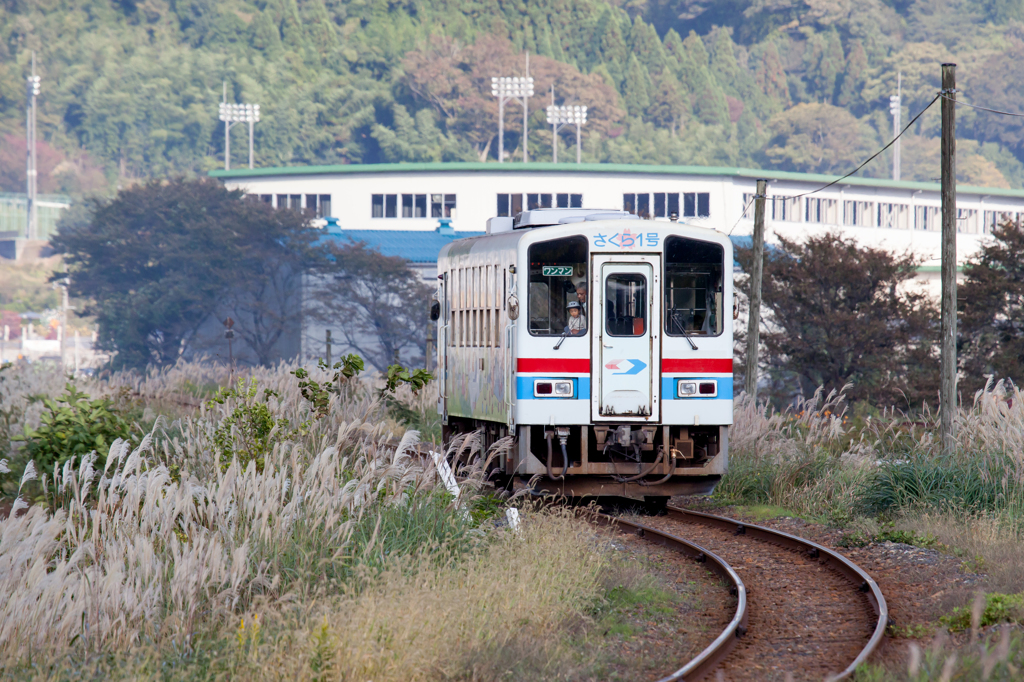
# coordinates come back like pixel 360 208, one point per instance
pixel 999 608
pixel 246 432
pixel 74 425
pixel 923 480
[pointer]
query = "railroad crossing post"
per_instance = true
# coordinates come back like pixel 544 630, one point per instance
pixel 754 321
pixel 947 390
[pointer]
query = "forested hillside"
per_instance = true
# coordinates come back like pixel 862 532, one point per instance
pixel 130 87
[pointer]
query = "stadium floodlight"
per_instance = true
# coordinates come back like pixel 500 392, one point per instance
pixel 506 88
pixel 232 113
pixel 559 116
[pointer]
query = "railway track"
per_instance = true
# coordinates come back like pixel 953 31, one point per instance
pixel 803 611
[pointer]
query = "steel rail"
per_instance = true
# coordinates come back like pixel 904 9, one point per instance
pixel 851 571
pixel 708 659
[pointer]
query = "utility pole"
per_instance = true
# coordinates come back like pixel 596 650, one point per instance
pixel 64 307
pixel 31 171
pixel 554 130
pixel 895 101
pixel 754 321
pixel 328 347
pixel 947 390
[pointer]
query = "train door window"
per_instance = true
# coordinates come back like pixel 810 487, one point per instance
pixel 659 205
pixel 693 287
pixel 673 204
pixel 643 205
pixel 625 304
pixel 629 203
pixel 557 267
pixel 407 201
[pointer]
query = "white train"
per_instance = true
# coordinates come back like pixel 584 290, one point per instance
pixel 631 395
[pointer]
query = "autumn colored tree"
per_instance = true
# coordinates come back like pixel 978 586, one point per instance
pixel 817 138
pixel 840 313
pixel 990 304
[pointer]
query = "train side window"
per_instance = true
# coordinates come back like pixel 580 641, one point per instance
pixel 557 268
pixel 693 287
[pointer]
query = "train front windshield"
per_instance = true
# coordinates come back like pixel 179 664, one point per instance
pixel 693 287
pixel 558 278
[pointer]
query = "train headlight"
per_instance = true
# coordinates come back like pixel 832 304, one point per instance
pixel 686 389
pixel 707 388
pixel 548 388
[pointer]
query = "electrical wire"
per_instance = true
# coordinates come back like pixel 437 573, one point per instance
pixel 742 213
pixel 873 156
pixel 981 108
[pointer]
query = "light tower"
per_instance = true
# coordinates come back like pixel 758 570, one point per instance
pixel 31 173
pixel 238 113
pixel 559 116
pixel 894 109
pixel 506 88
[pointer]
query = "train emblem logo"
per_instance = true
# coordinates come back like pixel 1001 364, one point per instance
pixel 627 239
pixel 636 367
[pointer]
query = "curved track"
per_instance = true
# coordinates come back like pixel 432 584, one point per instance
pixel 801 559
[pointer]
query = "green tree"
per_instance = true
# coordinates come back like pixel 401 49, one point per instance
pixel 841 313
pixel 990 305
pixel 637 87
pixel 159 259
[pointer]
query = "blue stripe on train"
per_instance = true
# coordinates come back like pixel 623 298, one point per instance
pixel 668 388
pixel 580 388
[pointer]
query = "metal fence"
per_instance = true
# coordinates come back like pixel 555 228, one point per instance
pixel 13 209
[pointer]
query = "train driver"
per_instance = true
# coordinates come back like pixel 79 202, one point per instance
pixel 577 324
pixel 581 297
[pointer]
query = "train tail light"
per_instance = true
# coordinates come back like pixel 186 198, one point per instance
pixel 553 389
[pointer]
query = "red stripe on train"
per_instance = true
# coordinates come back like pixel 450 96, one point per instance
pixel 708 365
pixel 554 365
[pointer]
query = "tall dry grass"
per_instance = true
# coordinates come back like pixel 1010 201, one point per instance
pixel 168 540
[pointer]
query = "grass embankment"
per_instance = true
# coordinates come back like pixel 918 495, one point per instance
pixel 883 478
pixel 255 537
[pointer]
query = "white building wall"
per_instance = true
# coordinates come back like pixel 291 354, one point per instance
pixel 476 193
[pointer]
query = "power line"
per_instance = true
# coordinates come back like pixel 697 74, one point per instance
pixel 743 213
pixel 981 108
pixel 873 156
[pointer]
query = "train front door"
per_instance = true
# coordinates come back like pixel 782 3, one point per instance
pixel 626 352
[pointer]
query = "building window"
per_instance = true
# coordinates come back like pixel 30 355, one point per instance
pixel 323 206
pixel 407 205
pixel 638 204
pixel 696 205
pixel 893 216
pixel 659 204
pixel 267 199
pixel 967 220
pixel 538 201
pixel 926 218
pixel 390 205
pixel 502 206
pixel 820 211
pixel 673 204
pixel 420 209
pixel 859 213
pixel 785 209
pixel 282 201
pixel 442 205
pixel 378 206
